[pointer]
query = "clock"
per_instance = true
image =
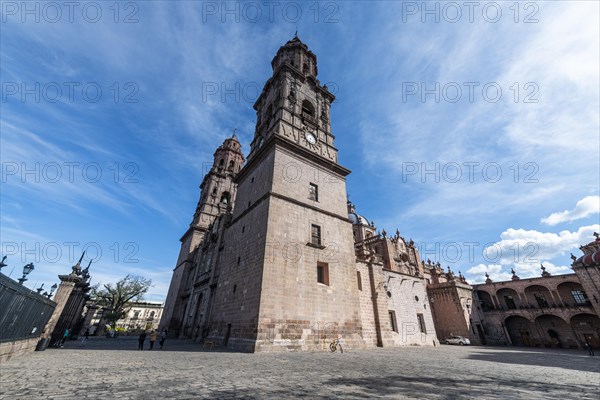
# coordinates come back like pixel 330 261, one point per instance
pixel 310 138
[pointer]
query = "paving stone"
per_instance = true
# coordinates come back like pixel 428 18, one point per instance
pixel 113 368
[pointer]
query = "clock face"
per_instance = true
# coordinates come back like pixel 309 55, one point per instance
pixel 310 137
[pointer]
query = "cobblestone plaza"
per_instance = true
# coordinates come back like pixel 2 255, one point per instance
pixel 113 368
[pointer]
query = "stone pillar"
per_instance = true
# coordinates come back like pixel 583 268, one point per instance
pixel 60 298
pixel 87 319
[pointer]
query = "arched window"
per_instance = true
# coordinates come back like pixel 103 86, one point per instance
pixel 306 68
pixel 225 198
pixel 230 167
pixel 214 192
pixel 221 162
pixel 308 109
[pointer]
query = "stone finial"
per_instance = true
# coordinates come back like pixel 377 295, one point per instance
pixel 514 275
pixel 487 278
pixel 383 233
pixel 544 272
pixel 573 257
pixel 397 233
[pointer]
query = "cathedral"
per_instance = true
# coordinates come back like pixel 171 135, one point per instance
pixel 276 258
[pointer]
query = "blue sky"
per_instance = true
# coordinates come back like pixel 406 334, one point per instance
pixel 118 172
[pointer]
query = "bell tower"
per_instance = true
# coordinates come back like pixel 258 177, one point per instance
pixel 288 275
pixel 217 194
pixel 294 105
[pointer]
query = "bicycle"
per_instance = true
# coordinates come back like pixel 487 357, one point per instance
pixel 335 344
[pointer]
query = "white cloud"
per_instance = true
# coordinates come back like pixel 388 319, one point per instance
pixel 587 206
pixel 525 251
pixel 521 246
pixel 494 271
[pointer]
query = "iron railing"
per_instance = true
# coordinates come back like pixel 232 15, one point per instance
pixel 23 312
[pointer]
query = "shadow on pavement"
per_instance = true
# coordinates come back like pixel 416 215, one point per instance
pixel 568 359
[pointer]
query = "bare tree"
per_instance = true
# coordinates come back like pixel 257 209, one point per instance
pixel 118 298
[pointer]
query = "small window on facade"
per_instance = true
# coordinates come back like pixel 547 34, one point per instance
pixel 541 299
pixel 221 163
pixel 315 235
pixel 422 323
pixel 510 302
pixel 393 323
pixel 323 273
pixel 252 180
pixel 234 288
pixel 231 164
pixel 214 192
pixel 243 229
pixel 308 108
pixel 359 280
pixel 305 68
pixel 313 192
pixel 225 198
pixel 579 296
pixel 239 259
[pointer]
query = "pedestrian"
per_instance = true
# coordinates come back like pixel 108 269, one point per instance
pixel 163 337
pixel 589 349
pixel 64 339
pixel 153 336
pixel 86 336
pixel 141 340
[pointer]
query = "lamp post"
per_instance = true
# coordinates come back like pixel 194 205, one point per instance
pixel 52 289
pixel 27 268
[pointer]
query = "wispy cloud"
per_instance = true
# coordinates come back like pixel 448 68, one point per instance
pixel 585 207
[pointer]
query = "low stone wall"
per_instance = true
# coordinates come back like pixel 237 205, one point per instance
pixel 17 348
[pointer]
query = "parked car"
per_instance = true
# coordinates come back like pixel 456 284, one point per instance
pixel 460 340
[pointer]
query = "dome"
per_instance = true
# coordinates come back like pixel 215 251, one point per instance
pixel 589 259
pixel 358 219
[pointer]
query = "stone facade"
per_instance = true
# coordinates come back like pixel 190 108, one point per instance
pixel 276 258
pixel 141 315
pixel 284 262
pixel 549 311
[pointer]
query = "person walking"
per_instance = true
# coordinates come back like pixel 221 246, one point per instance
pixel 153 336
pixel 141 340
pixel 86 336
pixel 589 348
pixel 64 339
pixel 163 337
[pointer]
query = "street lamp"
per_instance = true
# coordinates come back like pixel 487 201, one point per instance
pixel 52 289
pixel 27 268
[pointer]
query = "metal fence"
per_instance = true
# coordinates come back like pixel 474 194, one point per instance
pixel 23 312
